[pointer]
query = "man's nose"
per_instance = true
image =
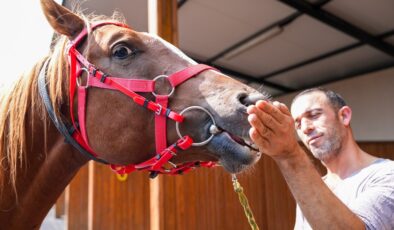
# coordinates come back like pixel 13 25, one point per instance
pixel 307 127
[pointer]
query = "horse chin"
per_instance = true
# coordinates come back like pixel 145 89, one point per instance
pixel 233 152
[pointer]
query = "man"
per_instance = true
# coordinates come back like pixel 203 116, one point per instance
pixel 358 190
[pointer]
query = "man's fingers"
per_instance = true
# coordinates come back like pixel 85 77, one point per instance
pixel 271 109
pixel 265 118
pixel 260 126
pixel 251 109
pixel 272 128
pixel 283 108
pixel 258 139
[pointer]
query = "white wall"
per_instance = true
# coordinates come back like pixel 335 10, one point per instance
pixel 25 39
pixel 371 98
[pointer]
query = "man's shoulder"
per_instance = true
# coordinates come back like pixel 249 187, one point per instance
pixel 382 170
pixel 384 164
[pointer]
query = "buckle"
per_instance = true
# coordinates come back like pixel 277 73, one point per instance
pixel 158 111
pixel 171 152
pixel 103 77
pixel 79 76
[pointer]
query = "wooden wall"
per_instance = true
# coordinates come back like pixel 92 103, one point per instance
pixel 96 199
pixel 203 199
pixel 379 149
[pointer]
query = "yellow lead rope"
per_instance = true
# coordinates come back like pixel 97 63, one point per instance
pixel 244 202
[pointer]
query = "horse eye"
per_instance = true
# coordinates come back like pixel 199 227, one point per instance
pixel 122 52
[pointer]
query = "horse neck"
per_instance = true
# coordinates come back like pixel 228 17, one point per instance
pixel 48 166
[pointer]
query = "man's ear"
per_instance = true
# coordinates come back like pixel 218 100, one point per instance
pixel 345 115
pixel 61 19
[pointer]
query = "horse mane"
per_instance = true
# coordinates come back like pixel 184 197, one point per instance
pixel 21 105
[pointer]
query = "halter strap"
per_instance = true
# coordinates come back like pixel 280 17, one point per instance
pixel 130 87
pixel 93 26
pixel 67 132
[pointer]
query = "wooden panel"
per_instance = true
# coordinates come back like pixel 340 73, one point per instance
pixel 60 206
pixel 379 149
pixel 167 15
pixel 204 199
pixel 117 205
pixel 162 192
pixel 198 200
pixel 280 205
pixel 77 199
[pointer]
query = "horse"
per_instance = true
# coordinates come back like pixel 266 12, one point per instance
pixel 100 94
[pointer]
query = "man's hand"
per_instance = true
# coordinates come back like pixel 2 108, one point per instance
pixel 273 129
pixel 274 133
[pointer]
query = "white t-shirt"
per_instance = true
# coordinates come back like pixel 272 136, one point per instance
pixel 369 193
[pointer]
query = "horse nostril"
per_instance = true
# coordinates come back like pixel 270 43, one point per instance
pixel 247 100
pixel 242 97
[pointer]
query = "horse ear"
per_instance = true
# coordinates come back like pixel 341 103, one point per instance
pixel 61 19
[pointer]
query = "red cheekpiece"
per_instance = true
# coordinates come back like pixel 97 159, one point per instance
pixel 98 79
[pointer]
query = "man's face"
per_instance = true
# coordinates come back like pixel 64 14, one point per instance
pixel 317 125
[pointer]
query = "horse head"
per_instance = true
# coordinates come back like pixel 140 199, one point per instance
pixel 121 131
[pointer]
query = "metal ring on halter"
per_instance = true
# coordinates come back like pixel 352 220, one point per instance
pixel 204 110
pixel 79 78
pixel 172 89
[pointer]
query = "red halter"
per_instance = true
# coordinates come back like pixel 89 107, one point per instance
pixel 97 78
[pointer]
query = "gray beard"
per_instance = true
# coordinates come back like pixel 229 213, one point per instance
pixel 329 149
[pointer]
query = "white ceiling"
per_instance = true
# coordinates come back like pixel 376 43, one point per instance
pixel 335 67
pixel 222 26
pixel 297 56
pixel 302 40
pixel 373 16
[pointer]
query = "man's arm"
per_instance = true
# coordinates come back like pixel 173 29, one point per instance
pixel 273 131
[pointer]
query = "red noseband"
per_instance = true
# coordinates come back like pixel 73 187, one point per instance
pixel 130 87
